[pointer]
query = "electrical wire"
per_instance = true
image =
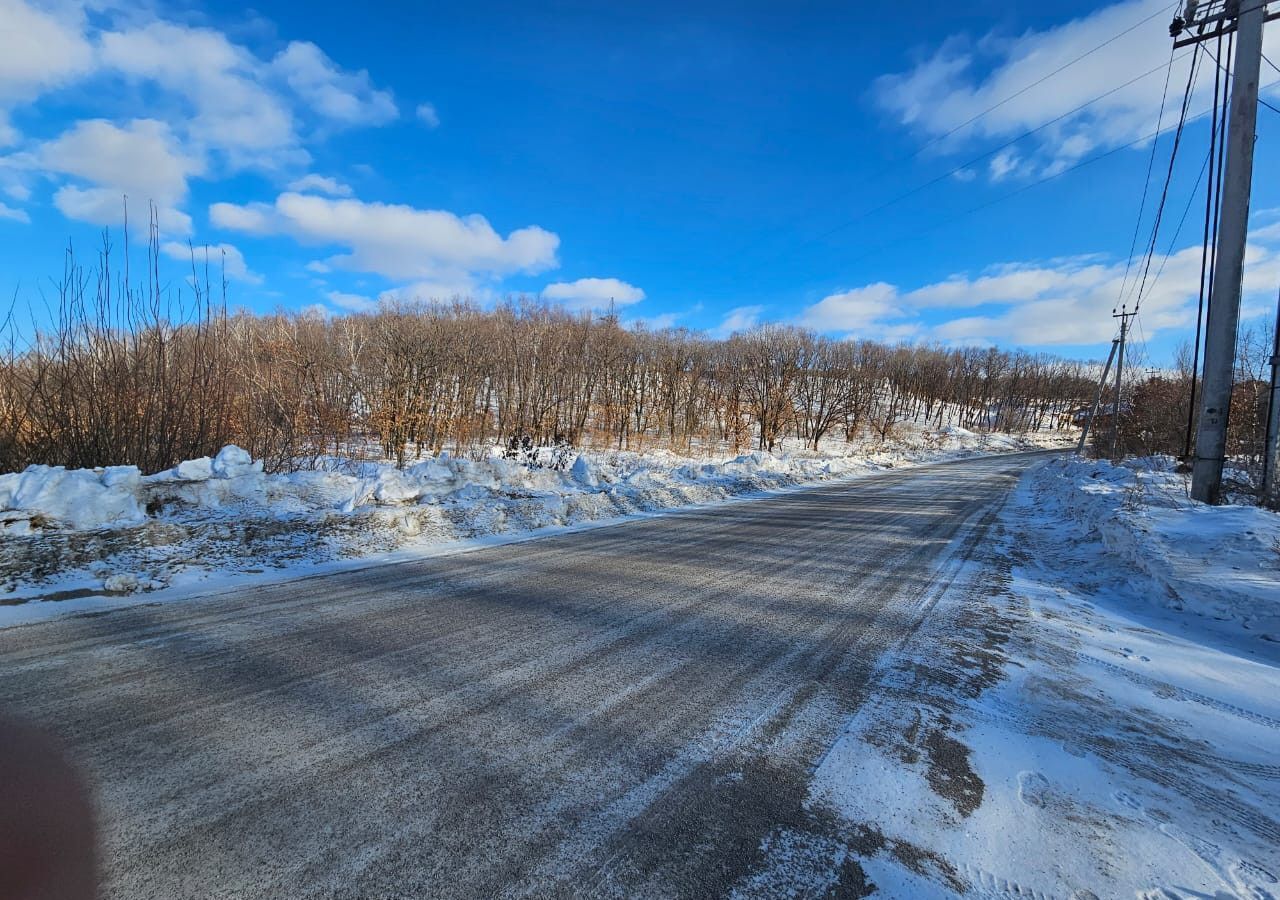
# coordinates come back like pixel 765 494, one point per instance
pixel 975 118
pixel 1146 185
pixel 1192 77
pixel 1211 195
pixel 1062 68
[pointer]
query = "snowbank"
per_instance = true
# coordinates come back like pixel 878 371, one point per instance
pixel 77 533
pixel 1059 725
pixel 1222 562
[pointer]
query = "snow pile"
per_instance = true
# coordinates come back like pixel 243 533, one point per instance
pixel 1050 731
pixel 1222 562
pixel 74 498
pixel 116 531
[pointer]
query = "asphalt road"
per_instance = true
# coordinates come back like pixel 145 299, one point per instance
pixel 627 711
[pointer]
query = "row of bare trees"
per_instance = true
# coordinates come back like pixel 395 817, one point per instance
pixel 125 376
pixel 1156 413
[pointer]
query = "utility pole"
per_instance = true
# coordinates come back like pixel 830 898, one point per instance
pixel 1124 316
pixel 1207 20
pixel 1271 456
pixel 1097 400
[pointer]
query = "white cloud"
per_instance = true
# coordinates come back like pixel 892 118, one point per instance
pixel 592 293
pixel 352 302
pixel 224 100
pixel 740 318
pixel 220 258
pixel 214 105
pixel 461 287
pixel 855 310
pixel 251 218
pixel 320 184
pixel 1003 164
pixel 40 49
pixel 427 115
pixel 1063 302
pixel 107 206
pixel 346 98
pixel 396 241
pixel 965 77
pixel 141 160
pixel 14 215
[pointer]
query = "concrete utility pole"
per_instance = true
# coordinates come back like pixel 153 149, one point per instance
pixel 1124 318
pixel 1271 456
pixel 1214 18
pixel 1097 400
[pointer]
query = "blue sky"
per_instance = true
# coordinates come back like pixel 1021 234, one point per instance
pixel 704 165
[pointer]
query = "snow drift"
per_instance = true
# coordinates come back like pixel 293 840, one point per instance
pixel 1222 562
pixel 80 532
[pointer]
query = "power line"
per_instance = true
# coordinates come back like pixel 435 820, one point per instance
pixel 1042 80
pixel 972 119
pixel 1026 187
pixel 1192 77
pixel 1146 185
pixel 993 151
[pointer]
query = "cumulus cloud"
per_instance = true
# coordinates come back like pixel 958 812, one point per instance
pixel 428 116
pixel 858 309
pixel 40 49
pixel 396 241
pixel 740 318
pixel 592 293
pixel 320 184
pixel 216 88
pixel 347 98
pixel 141 160
pixel 1064 302
pixel 214 105
pixel 352 302
pixel 13 215
pixel 220 259
pixel 986 78
pixel 459 286
pixel 141 157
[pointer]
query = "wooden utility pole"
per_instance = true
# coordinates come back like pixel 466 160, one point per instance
pixel 1207 20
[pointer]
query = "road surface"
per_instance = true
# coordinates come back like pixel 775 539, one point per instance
pixel 626 711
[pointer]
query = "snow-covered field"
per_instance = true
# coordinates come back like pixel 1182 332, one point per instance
pixel 1102 721
pixel 77 539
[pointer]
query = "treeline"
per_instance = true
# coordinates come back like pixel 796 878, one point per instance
pixel 123 376
pixel 1156 412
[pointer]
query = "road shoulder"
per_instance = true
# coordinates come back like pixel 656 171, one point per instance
pixel 1031 740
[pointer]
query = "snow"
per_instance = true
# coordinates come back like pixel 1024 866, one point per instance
pixel 1218 562
pixel 75 498
pixel 1108 696
pixel 71 538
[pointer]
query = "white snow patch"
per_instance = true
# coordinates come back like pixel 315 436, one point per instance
pixel 73 531
pixel 1129 746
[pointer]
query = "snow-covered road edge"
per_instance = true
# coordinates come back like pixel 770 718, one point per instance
pixel 1056 729
pixel 213 525
pixel 1220 563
